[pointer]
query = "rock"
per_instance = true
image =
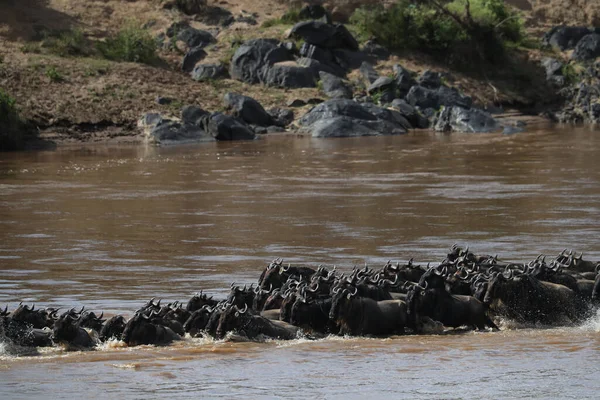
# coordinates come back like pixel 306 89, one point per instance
pixel 443 96
pixel 192 58
pixel 404 79
pixel 372 48
pixel 149 120
pixel 189 7
pixel 334 87
pixel 381 84
pixel 204 72
pixel 163 100
pixel 225 127
pixel 324 56
pixel 247 109
pixel 565 37
pixel 215 15
pixel 193 115
pixel 172 132
pixel 247 19
pixel 343 118
pixel 588 48
pixel 324 35
pixel 296 103
pixel 251 61
pixel 316 67
pixel 348 59
pixel 290 76
pixel 336 108
pixel 458 119
pixel 275 129
pixel 430 80
pixel 190 36
pixel 290 46
pixel 413 116
pixel 259 130
pixel 315 12
pixel 554 71
pixel 388 115
pixel 314 100
pixel 281 117
pixel 368 73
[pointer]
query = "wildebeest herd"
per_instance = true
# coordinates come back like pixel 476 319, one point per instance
pixel 464 290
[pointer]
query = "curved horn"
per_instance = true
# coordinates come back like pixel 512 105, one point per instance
pixel 245 309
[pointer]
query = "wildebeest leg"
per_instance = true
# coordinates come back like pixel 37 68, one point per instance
pixel 491 323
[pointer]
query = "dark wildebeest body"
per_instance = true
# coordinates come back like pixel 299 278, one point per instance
pixel 141 330
pixel 67 330
pixel 251 326
pixel 312 314
pixel 113 328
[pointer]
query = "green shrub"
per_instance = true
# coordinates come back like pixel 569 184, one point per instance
pixel 289 18
pixel 133 44
pixel 11 130
pixel 406 25
pixel 67 43
pixel 54 74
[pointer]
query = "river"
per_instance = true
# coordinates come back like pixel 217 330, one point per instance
pixel 110 227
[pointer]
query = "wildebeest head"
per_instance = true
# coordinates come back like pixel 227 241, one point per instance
pixel 340 303
pixel 113 328
pixel 139 330
pixel 66 328
pixel 232 318
pixel 499 285
pixel 90 320
pixel 198 321
pixel 274 300
pixel 199 300
pixel 241 297
pixel 260 298
pixel 36 318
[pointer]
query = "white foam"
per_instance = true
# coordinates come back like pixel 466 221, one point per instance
pixel 592 324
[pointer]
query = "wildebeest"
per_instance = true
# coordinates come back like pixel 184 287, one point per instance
pixel 312 314
pixel 198 321
pixel 357 315
pixel 527 299
pixel 67 330
pixel 198 300
pixel 276 274
pixel 113 328
pixel 449 309
pixel 141 330
pixel 251 326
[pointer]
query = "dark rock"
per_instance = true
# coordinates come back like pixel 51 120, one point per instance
pixel 430 80
pixel 203 72
pixel 259 130
pixel 162 131
pixel 314 100
pixel 554 71
pixel 252 60
pixel 316 67
pixel 281 117
pixel 190 36
pixel 458 119
pixel 296 103
pixel 335 87
pixel 404 79
pixel 163 100
pixel 343 126
pixel 384 114
pixel 411 114
pixel 192 58
pixel 381 84
pixel 348 59
pixel 368 73
pixel 275 129
pixel 192 115
pixel 225 127
pixel 588 48
pixel 320 54
pixel 288 76
pixel 247 109
pixel 376 50
pixel 247 19
pixel 443 96
pixel 336 108
pixel 315 12
pixel 565 37
pixel 290 46
pixel 149 120
pixel 215 15
pixel 189 7
pixel 325 35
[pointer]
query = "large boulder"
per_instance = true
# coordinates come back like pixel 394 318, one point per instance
pixel 404 79
pixel 343 118
pixel 588 48
pixel 430 79
pixel 458 119
pixel 384 87
pixel 191 58
pixel 348 59
pixel 205 72
pixel 324 35
pixel 163 131
pixel 315 12
pixel 192 37
pixel 225 127
pixel 565 37
pixel 281 117
pixel 247 109
pixel 289 75
pixel 193 115
pixel 413 116
pixel 554 72
pixel 368 73
pixel 316 67
pixel 443 96
pixel 334 87
pixel 253 59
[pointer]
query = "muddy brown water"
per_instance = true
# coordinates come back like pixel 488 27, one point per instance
pixel 110 227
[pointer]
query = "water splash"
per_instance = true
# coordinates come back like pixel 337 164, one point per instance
pixel 592 324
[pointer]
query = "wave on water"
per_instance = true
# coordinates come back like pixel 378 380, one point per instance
pixel 592 324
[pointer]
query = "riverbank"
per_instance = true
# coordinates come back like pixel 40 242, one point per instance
pixel 84 98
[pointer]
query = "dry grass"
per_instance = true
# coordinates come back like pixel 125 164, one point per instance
pixel 569 12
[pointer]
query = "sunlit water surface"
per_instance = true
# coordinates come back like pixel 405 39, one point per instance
pixel 109 228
